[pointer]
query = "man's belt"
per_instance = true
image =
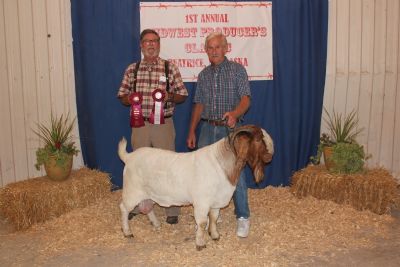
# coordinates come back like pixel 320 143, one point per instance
pixel 215 122
pixel 165 117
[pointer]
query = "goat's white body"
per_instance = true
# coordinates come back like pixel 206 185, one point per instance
pixel 200 178
pixel 171 178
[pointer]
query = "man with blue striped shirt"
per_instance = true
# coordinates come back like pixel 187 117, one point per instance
pixel 222 97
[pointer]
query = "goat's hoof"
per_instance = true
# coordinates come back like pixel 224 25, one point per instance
pixel 199 248
pixel 215 239
pixel 157 226
pixel 128 236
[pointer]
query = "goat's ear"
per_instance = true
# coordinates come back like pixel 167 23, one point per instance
pixel 239 165
pixel 240 146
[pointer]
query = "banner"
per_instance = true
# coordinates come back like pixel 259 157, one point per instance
pixel 183 27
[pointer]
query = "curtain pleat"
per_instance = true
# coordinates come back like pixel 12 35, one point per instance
pixel 106 40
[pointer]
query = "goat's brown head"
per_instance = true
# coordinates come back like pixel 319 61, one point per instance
pixel 251 145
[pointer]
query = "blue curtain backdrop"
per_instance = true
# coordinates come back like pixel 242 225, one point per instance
pixel 106 41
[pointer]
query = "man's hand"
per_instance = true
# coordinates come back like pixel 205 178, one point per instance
pixel 230 119
pixel 125 100
pixel 191 140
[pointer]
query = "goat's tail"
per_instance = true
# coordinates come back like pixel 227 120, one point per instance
pixel 122 150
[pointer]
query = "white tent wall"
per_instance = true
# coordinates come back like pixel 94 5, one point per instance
pixel 363 74
pixel 37 76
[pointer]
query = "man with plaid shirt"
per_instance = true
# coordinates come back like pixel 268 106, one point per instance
pixel 145 77
pixel 222 97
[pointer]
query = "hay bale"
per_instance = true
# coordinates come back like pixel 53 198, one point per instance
pixel 375 190
pixel 39 199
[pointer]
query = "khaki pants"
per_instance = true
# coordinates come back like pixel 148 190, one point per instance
pixel 159 136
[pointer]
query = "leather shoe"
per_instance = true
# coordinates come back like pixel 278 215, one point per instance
pixel 172 219
pixel 131 215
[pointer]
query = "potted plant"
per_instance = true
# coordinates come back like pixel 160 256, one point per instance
pixel 342 153
pixel 57 153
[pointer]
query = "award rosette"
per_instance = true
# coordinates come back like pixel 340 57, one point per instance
pixel 137 119
pixel 157 113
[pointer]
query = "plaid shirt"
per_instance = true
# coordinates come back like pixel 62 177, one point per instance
pixel 220 88
pixel 151 76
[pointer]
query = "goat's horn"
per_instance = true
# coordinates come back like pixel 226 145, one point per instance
pixel 247 128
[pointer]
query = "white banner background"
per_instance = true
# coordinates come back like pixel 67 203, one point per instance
pixel 183 27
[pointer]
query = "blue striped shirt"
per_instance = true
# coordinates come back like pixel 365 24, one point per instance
pixel 220 88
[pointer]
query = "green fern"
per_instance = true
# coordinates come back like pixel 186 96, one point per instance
pixel 342 129
pixel 57 140
pixel 348 156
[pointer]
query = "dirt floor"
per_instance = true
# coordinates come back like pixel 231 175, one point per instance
pixel 285 231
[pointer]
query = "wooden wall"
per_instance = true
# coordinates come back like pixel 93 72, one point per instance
pixel 37 78
pixel 363 73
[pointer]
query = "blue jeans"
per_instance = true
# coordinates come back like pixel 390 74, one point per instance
pixel 210 134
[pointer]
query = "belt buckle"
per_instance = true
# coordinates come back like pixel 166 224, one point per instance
pixel 217 122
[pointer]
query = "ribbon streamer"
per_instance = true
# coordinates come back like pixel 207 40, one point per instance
pixel 136 116
pixel 157 113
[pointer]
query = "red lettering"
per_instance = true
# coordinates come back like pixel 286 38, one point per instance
pixel 188 62
pixel 214 18
pixel 191 18
pixel 241 60
pixel 177 32
pixel 194 48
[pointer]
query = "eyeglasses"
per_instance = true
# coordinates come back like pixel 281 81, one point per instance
pixel 154 41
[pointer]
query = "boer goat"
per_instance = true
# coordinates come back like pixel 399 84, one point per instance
pixel 205 178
